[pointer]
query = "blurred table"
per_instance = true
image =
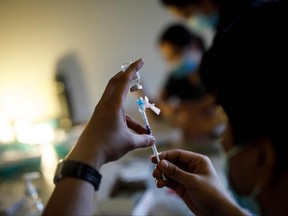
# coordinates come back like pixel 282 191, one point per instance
pixel 127 186
pixel 13 181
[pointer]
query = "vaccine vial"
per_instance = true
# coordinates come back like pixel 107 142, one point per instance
pixel 135 84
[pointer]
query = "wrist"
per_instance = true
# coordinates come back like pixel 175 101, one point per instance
pixel 91 157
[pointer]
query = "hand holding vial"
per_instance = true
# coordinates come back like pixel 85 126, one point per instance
pixel 109 126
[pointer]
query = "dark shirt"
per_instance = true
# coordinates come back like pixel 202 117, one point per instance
pixel 182 89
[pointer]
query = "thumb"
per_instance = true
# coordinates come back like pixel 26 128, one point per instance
pixel 143 140
pixel 174 172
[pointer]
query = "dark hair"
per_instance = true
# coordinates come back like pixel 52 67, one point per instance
pixel 180 36
pixel 178 3
pixel 246 75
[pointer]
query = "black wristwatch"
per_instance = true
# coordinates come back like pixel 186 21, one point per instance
pixel 77 169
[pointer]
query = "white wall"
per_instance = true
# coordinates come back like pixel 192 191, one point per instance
pixel 102 34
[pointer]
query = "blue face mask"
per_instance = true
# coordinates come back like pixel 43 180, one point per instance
pixel 247 202
pixel 188 65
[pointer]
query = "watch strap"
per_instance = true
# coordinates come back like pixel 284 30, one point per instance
pixel 77 169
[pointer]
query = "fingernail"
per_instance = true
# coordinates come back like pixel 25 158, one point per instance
pixel 156 180
pixel 139 60
pixel 151 140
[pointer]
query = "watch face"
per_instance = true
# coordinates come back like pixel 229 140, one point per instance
pixel 58 172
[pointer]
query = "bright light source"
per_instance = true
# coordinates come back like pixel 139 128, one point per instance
pixel 34 134
pixel 7 133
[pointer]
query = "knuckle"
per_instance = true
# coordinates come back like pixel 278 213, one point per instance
pixel 113 80
pixel 205 160
pixel 173 170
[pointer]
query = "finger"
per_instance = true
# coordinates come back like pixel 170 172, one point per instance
pixel 142 140
pixel 175 173
pixel 111 85
pixel 122 87
pixel 154 159
pixel 160 183
pixel 156 173
pixel 191 159
pixel 134 125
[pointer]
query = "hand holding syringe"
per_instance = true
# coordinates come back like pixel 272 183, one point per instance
pixel 143 104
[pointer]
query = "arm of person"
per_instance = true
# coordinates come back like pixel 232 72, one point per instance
pixel 193 177
pixel 109 135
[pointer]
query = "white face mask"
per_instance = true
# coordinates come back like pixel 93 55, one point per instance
pixel 247 202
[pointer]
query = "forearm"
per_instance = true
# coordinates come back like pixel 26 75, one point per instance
pixel 231 208
pixel 71 197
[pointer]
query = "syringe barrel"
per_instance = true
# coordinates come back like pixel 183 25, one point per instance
pixel 144 117
pixel 155 152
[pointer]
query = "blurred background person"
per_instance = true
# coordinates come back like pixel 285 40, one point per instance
pixel 182 50
pixel 201 22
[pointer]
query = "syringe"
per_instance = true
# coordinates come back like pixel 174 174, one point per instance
pixel 142 110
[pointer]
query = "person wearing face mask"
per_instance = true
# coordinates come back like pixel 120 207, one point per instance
pixel 182 51
pixel 202 22
pixel 245 75
pixel 229 152
pixel 184 98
